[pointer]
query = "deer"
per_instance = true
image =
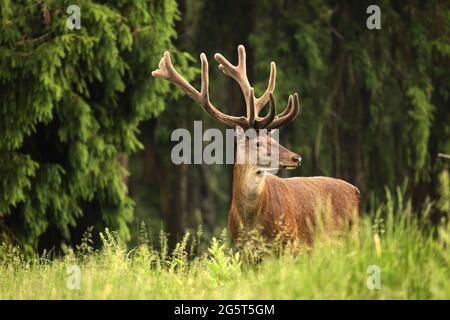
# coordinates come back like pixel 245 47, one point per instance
pixel 260 199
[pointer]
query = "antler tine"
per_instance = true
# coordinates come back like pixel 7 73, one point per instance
pixel 288 108
pixel 262 101
pixel 264 122
pixel 251 109
pixel 239 73
pixel 166 71
pixel 288 114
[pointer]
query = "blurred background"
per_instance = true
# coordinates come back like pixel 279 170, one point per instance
pixel 85 130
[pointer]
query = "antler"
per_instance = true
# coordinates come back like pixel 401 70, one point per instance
pixel 289 114
pixel 166 71
pixel 254 105
pixel 239 73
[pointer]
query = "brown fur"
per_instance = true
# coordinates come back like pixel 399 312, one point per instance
pixel 289 206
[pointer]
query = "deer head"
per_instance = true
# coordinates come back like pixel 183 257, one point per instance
pixel 263 142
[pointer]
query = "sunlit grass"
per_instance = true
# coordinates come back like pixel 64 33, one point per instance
pixel 412 255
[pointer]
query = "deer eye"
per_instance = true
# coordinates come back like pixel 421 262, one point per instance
pixel 257 144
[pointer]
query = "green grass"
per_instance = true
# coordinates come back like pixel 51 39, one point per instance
pixel 413 258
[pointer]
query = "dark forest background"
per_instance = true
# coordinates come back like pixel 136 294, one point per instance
pixel 85 130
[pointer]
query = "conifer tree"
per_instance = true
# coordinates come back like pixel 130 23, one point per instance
pixel 70 105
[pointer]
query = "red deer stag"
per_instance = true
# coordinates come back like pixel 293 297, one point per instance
pixel 260 199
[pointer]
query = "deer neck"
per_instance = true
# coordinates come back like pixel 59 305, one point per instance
pixel 248 187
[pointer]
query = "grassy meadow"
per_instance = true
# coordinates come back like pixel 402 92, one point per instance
pixel 412 256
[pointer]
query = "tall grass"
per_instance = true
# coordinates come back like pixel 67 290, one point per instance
pixel 412 255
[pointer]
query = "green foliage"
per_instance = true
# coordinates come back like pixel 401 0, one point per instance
pixel 70 104
pixel 421 116
pixel 444 192
pixel 85 248
pixel 178 262
pixel 374 103
pixel 413 257
pixel 223 265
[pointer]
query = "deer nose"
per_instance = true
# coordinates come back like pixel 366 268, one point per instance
pixel 297 159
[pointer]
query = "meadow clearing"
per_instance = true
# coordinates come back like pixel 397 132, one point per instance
pixel 412 256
